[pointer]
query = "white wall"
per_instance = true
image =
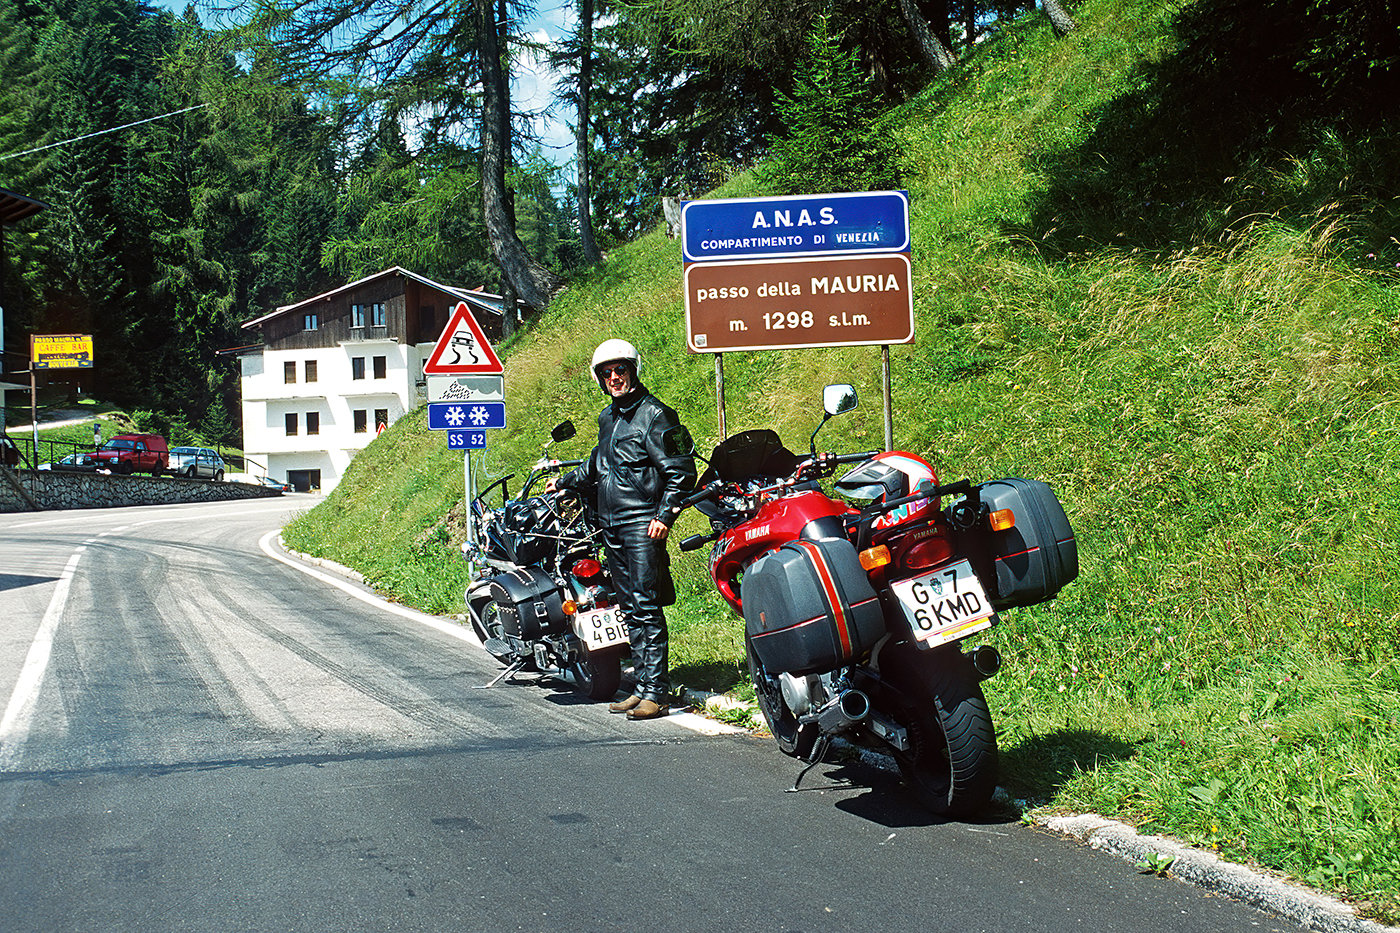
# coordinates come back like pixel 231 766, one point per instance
pixel 334 397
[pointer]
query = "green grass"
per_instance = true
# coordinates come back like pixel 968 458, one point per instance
pixel 1211 389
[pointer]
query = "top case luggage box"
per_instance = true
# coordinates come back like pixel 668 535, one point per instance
pixel 809 607
pixel 1031 562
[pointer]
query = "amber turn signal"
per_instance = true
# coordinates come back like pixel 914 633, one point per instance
pixel 1003 520
pixel 570 607
pixel 874 557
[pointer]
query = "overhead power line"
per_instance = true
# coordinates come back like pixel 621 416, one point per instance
pixel 126 126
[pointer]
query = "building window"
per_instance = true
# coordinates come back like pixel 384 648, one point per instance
pixel 313 422
pixel 361 421
pixel 289 372
pixel 310 322
pixel 357 367
pixel 357 315
pixel 381 367
pixel 381 419
pixel 310 370
pixel 376 315
pixel 291 423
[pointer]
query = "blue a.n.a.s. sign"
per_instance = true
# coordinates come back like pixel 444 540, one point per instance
pixel 804 225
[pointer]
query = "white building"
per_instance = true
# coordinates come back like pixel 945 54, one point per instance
pixel 334 369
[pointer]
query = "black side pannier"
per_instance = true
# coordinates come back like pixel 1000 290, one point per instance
pixel 1031 562
pixel 532 605
pixel 809 607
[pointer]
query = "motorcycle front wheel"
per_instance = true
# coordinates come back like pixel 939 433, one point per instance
pixel 598 673
pixel 480 611
pixel 951 762
pixel 782 722
pixel 486 622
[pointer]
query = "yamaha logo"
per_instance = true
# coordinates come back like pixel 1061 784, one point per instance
pixel 758 532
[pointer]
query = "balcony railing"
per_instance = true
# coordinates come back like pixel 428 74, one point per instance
pixel 380 332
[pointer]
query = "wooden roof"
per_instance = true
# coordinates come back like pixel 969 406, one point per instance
pixel 15 207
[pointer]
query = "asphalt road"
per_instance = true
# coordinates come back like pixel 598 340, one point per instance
pixel 199 737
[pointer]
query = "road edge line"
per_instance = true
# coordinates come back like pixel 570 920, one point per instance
pixel 19 712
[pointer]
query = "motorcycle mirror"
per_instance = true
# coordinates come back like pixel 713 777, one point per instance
pixel 836 400
pixel 563 431
pixel 839 399
pixel 677 442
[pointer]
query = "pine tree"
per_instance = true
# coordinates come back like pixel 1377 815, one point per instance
pixel 834 140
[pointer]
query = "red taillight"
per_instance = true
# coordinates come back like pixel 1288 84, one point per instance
pixel 586 569
pixel 927 553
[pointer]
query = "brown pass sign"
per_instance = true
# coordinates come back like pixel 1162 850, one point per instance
pixel 819 301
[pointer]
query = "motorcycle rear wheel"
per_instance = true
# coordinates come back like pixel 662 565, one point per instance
pixel 598 673
pixel 951 763
pixel 782 722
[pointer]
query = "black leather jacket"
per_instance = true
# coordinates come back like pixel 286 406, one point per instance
pixel 633 476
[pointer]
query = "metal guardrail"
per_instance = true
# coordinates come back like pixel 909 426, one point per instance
pixel 21 451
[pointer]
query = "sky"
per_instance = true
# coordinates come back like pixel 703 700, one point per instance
pixel 534 81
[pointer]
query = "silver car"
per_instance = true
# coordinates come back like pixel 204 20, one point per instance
pixel 197 463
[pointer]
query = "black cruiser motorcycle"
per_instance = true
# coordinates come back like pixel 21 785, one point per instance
pixel 541 598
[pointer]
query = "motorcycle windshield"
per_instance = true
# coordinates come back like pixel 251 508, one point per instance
pixel 757 453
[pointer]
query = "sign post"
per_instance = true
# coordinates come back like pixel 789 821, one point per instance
pixel 821 270
pixel 466 395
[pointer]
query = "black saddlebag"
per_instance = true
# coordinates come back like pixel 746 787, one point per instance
pixel 1031 562
pixel 809 607
pixel 532 604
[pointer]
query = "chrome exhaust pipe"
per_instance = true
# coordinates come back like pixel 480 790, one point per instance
pixel 847 711
pixel 986 660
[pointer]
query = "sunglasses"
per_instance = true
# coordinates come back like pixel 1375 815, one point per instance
pixel 617 369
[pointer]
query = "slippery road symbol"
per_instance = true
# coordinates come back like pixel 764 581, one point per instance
pixel 462 340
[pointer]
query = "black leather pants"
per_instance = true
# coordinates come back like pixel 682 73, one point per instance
pixel 641 571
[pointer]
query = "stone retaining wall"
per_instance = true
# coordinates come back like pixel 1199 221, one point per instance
pixel 40 490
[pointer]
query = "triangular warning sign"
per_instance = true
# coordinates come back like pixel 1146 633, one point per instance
pixel 462 349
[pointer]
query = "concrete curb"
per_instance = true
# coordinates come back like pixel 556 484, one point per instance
pixel 1209 871
pixel 321 562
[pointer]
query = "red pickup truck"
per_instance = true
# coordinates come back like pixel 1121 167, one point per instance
pixel 134 453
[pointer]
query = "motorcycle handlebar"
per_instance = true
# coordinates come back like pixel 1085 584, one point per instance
pixel 711 490
pixel 549 466
pixel 700 495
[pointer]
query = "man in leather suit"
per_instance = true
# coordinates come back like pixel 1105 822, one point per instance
pixel 640 471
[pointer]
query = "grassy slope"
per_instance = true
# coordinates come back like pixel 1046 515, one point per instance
pixel 1218 414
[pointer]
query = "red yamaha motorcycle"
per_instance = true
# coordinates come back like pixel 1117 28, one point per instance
pixel 855 615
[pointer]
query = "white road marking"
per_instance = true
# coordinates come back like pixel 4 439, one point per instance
pixel 689 721
pixel 462 632
pixel 19 713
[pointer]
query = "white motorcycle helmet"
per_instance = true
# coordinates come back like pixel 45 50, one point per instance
pixel 613 351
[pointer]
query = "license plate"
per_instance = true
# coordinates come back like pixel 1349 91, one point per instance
pixel 944 605
pixel 600 628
